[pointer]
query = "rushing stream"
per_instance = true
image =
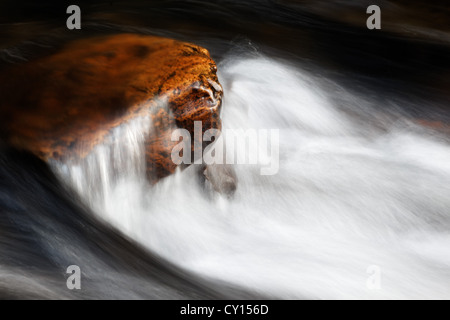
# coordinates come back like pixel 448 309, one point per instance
pixel 348 196
pixel 363 184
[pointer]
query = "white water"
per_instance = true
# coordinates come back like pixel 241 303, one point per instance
pixel 349 195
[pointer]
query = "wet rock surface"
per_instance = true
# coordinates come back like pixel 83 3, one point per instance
pixel 61 106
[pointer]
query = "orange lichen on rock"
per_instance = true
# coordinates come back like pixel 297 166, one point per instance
pixel 61 106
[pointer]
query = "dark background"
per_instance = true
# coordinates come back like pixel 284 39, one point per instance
pixel 408 57
pixel 408 60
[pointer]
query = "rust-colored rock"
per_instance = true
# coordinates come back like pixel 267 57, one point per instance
pixel 62 106
pixel 435 125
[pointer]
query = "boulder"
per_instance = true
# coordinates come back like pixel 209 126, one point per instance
pixel 61 106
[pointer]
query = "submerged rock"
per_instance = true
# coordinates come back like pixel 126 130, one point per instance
pixel 222 178
pixel 61 106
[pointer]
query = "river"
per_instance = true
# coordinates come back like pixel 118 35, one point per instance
pixel 364 174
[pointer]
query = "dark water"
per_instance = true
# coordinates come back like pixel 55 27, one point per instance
pixel 409 57
pixel 401 72
pixel 45 229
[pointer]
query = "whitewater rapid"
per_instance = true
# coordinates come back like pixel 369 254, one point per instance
pixel 356 189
